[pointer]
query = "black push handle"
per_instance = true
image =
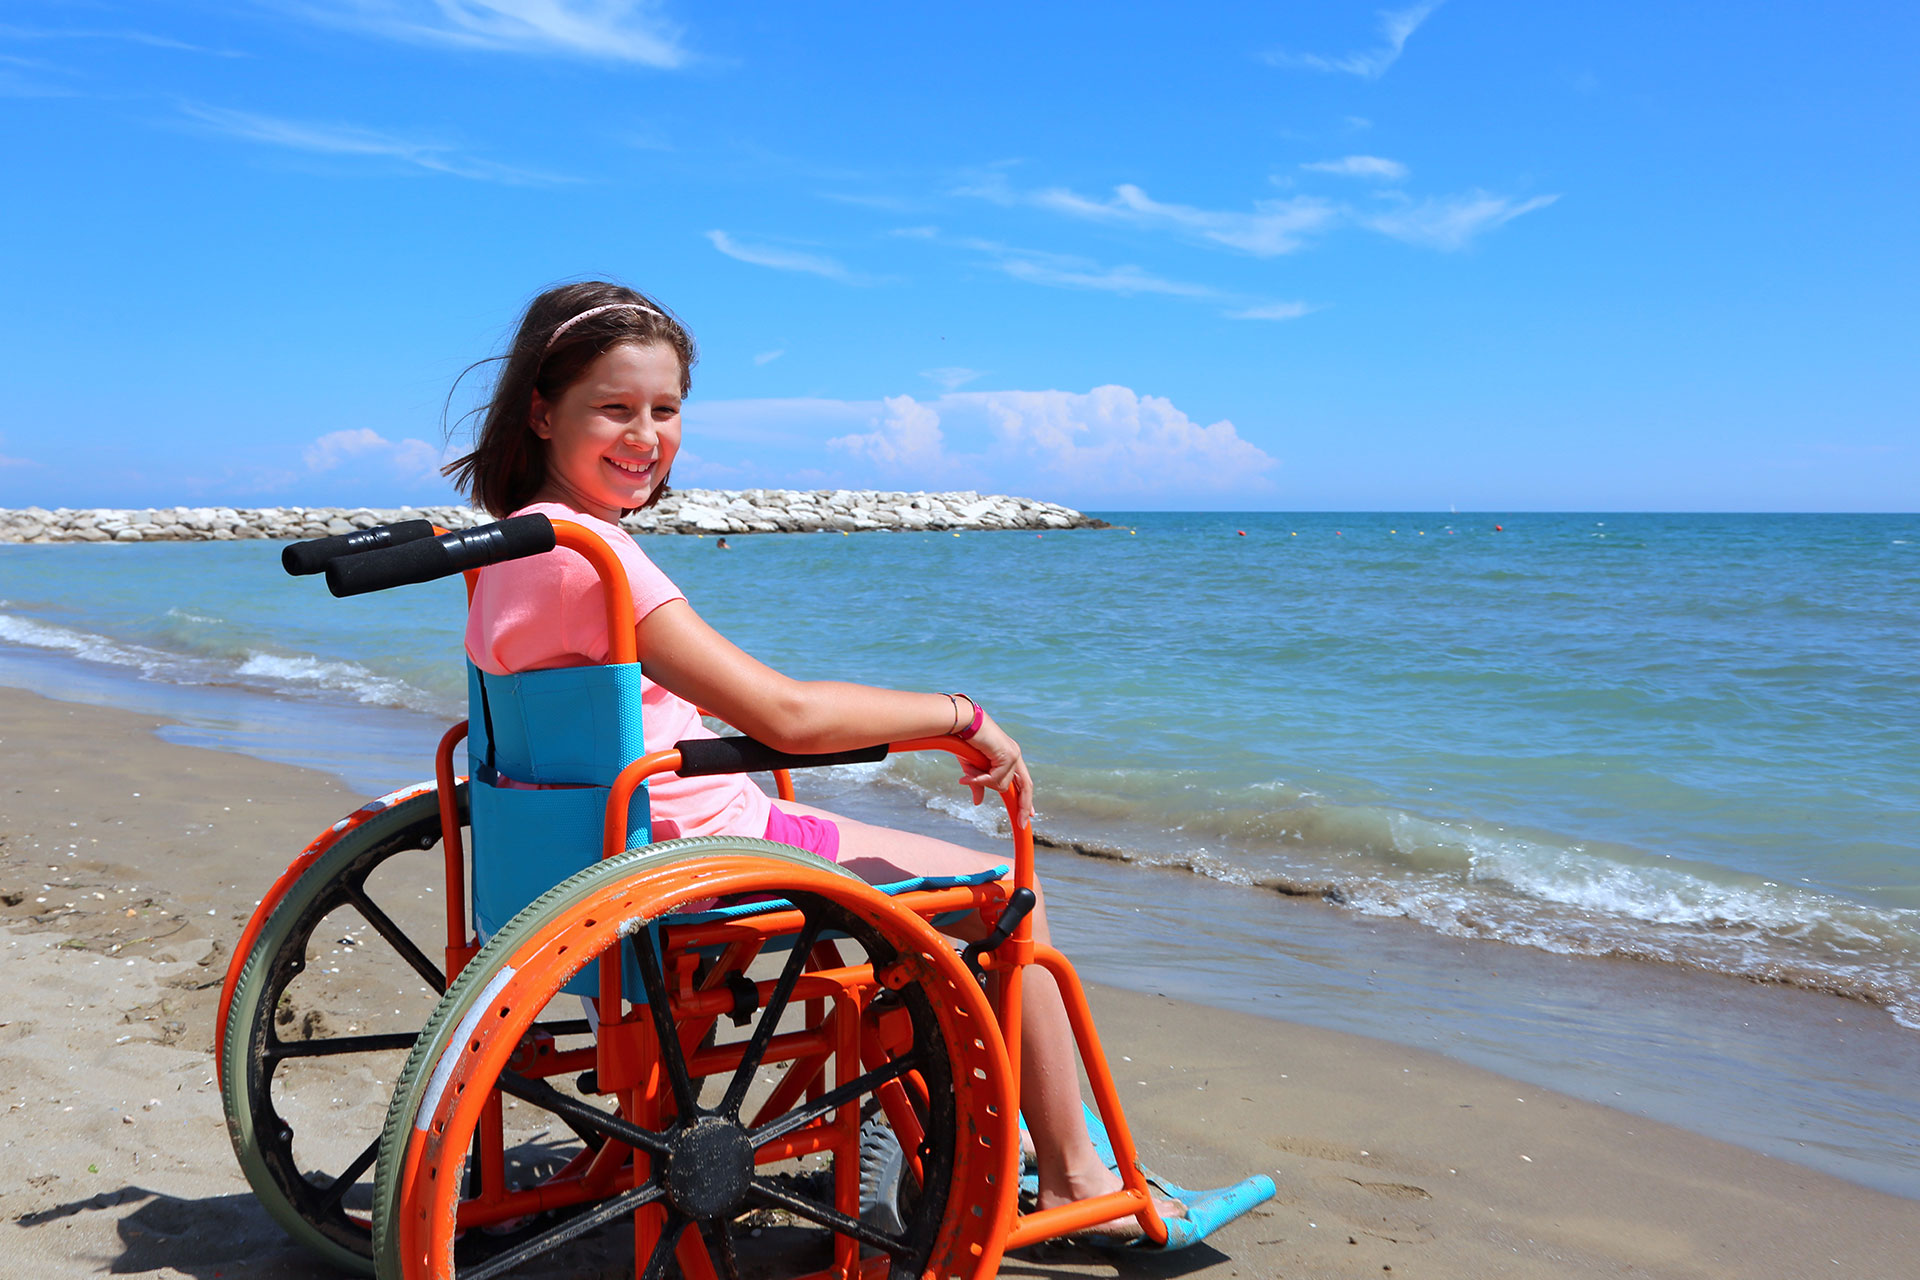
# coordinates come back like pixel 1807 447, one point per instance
pixel 1019 903
pixel 702 757
pixel 314 556
pixel 440 557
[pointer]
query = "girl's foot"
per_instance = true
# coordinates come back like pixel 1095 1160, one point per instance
pixel 1117 1231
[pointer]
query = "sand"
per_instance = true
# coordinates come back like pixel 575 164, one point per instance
pixel 128 866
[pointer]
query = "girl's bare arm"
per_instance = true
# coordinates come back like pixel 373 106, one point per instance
pixel 683 654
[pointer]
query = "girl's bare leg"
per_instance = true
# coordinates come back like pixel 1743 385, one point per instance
pixel 1049 1067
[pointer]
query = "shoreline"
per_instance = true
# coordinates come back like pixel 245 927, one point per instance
pixel 1735 1061
pixel 1386 1156
pixel 682 511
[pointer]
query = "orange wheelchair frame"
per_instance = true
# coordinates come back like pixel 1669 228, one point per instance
pixel 901 1034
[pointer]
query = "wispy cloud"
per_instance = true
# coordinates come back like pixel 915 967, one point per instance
pixel 1273 311
pixel 601 30
pixel 21 78
pixel 950 377
pixel 1395 26
pixel 763 255
pixel 1376 168
pixel 408 459
pixel 887 204
pixel 1066 271
pixel 768 357
pixel 1272 228
pixel 1071 271
pixel 1452 222
pixel 350 140
pixel 10 32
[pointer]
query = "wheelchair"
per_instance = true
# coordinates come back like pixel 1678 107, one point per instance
pixel 755 1062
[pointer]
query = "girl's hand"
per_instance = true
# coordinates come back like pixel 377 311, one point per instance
pixel 1006 768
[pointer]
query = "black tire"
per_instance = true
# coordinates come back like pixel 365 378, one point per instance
pixel 288 1063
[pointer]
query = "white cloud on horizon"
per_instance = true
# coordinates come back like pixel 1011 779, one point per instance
pixel 778 259
pixel 407 459
pixel 1396 25
pixel 1108 446
pixel 600 30
pixel 351 140
pixel 1451 222
pixel 1372 167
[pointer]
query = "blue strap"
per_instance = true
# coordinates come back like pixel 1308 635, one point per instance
pixel 740 911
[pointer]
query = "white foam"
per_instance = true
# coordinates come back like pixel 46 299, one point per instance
pixel 35 634
pixel 302 670
pixel 275 672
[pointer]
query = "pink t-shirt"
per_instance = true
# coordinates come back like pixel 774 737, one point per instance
pixel 547 611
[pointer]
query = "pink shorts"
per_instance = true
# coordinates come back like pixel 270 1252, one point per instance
pixel 804 831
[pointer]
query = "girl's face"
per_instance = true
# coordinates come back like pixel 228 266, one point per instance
pixel 613 434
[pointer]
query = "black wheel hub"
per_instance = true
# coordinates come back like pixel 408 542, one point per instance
pixel 710 1169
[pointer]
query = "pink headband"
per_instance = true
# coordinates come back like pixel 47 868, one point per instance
pixel 594 311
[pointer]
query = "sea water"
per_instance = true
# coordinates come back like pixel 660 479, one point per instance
pixel 1475 760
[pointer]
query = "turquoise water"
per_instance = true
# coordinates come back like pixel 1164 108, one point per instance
pixel 1683 738
pixel 1686 740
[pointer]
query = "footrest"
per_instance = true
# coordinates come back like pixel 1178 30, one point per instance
pixel 1207 1210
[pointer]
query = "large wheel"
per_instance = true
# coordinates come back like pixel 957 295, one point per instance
pixel 743 1157
pixel 341 971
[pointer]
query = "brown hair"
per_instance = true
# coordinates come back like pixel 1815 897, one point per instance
pixel 508 465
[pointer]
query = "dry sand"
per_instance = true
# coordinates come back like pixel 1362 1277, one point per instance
pixel 127 866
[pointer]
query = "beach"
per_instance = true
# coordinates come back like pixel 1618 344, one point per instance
pixel 129 864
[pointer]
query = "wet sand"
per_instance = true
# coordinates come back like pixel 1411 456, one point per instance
pixel 128 866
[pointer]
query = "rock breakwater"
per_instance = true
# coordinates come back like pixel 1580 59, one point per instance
pixel 697 511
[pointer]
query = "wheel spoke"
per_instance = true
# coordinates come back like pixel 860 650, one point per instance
pixel 769 1019
pixel 570 1027
pixel 397 939
pixel 568 1231
pixel 834 1099
pixel 338 1188
pixel 573 1110
pixel 663 1251
pixel 827 1216
pixel 685 1101
pixel 331 1046
pixel 722 1230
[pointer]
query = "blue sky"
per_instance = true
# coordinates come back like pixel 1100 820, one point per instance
pixel 1500 256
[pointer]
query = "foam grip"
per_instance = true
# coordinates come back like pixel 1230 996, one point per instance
pixel 702 757
pixel 440 557
pixel 302 558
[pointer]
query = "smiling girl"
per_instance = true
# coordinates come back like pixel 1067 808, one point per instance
pixel 584 425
